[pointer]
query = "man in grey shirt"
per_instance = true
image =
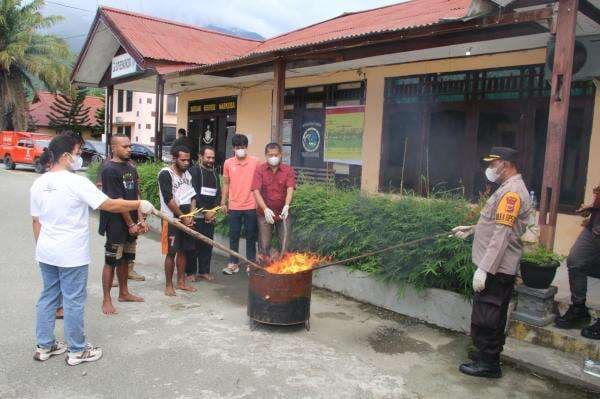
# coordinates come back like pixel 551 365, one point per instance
pixel 497 250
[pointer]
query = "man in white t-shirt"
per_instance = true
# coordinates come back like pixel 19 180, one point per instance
pixel 59 203
pixel 177 198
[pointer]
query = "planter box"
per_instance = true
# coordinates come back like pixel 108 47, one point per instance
pixel 438 307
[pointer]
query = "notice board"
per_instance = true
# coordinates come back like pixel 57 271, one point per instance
pixel 344 134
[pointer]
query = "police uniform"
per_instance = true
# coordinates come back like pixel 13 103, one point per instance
pixel 497 250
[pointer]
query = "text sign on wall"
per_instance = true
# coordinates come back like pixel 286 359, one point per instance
pixel 123 65
pixel 344 134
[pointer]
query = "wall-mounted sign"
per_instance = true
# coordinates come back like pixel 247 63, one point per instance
pixel 123 65
pixel 344 133
pixel 311 139
pixel 286 131
pixel 218 105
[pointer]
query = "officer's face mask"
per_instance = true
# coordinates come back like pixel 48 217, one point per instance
pixel 493 174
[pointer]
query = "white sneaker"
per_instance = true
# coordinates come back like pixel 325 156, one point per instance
pixel 43 354
pixel 231 268
pixel 89 354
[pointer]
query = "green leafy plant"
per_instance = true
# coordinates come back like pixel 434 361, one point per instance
pixel 541 256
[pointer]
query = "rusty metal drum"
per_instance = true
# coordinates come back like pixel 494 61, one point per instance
pixel 279 299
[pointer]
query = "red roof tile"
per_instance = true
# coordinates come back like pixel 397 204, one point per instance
pixel 160 39
pixel 40 107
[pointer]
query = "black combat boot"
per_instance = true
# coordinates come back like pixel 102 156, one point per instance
pixel 576 316
pixel 593 331
pixel 482 368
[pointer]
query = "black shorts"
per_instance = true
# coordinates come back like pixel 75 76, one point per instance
pixel 115 253
pixel 175 240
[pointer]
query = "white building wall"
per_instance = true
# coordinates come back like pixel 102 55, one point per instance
pixel 141 117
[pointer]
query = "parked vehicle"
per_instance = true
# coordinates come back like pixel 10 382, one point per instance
pixel 93 151
pixel 23 148
pixel 141 154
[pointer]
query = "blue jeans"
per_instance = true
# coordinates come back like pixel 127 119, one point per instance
pixel 248 219
pixel 71 282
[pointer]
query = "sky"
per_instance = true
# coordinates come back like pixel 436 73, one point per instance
pixel 266 17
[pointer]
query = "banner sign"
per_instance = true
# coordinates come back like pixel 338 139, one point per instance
pixel 344 133
pixel 220 105
pixel 123 65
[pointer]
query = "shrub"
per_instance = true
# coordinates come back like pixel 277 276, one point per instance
pixel 343 223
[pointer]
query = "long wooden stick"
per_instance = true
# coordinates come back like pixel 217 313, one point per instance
pixel 367 254
pixel 203 238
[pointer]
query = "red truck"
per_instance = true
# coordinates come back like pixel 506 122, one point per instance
pixel 23 148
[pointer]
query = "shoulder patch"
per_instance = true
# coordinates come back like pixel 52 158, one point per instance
pixel 508 209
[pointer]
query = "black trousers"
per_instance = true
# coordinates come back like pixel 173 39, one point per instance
pixel 583 261
pixel 198 261
pixel 488 320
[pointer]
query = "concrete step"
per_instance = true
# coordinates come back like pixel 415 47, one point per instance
pixel 568 341
pixel 564 367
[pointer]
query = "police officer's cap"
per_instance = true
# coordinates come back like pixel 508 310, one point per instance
pixel 505 153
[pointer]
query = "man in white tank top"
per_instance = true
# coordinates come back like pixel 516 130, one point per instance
pixel 177 197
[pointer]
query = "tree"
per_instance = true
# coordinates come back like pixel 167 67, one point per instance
pixel 68 111
pixel 26 55
pixel 98 128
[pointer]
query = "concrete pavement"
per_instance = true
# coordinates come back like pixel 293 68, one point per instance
pixel 199 345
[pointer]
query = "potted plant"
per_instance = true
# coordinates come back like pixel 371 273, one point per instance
pixel 538 267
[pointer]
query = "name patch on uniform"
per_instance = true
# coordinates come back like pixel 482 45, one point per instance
pixel 508 209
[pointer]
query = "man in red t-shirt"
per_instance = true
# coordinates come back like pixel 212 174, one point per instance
pixel 273 187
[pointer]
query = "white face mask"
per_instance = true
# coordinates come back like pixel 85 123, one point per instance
pixel 492 174
pixel 240 152
pixel 273 161
pixel 76 162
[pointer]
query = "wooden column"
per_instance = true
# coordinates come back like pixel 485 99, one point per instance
pixel 108 117
pixel 566 21
pixel 158 117
pixel 278 94
pixel 471 161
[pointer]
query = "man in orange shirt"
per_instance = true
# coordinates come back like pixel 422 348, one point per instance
pixel 237 200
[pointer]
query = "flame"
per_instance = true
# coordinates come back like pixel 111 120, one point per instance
pixel 294 262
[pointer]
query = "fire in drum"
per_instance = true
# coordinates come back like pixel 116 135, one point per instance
pixel 280 293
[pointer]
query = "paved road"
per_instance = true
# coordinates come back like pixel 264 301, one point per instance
pixel 199 345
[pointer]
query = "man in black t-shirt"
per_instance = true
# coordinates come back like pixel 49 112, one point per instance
pixel 208 196
pixel 119 180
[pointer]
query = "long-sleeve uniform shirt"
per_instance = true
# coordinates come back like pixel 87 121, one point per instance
pixel 497 246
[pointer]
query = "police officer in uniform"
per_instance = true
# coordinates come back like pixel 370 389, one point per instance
pixel 497 250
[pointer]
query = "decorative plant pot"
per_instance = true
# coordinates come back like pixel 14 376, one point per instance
pixel 538 276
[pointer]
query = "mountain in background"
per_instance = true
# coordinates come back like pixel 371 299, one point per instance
pixel 236 32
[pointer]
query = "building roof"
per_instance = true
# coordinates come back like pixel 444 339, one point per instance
pixel 160 39
pixel 43 100
pixel 396 17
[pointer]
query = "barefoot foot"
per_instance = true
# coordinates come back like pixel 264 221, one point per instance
pixel 130 298
pixel 184 287
pixel 108 308
pixel 170 291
